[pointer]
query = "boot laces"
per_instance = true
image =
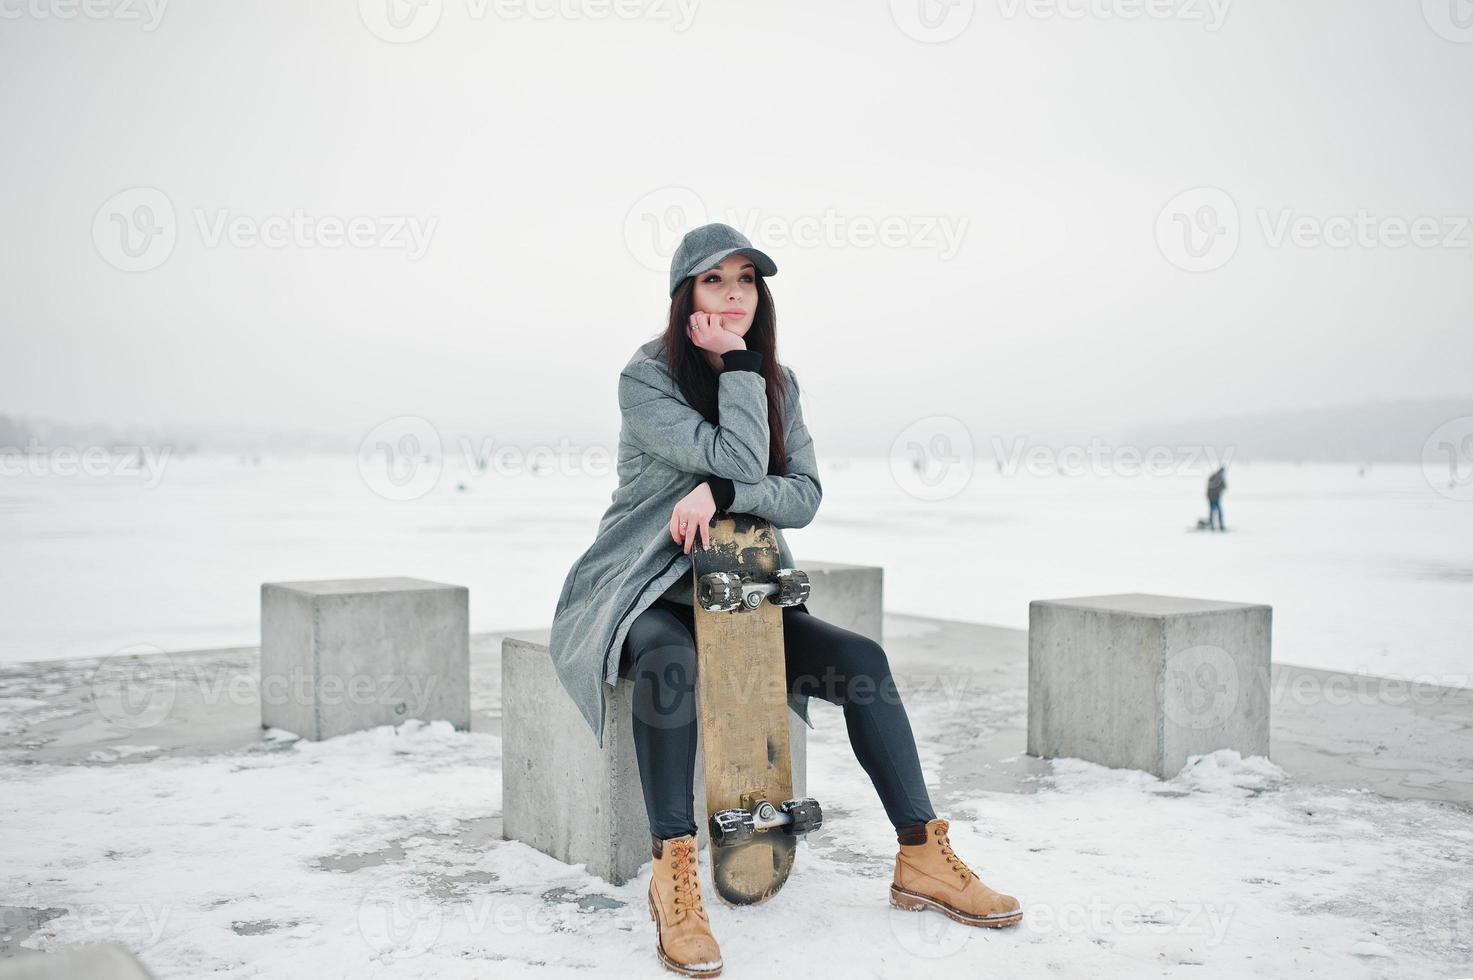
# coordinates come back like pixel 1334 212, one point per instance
pixel 687 880
pixel 957 864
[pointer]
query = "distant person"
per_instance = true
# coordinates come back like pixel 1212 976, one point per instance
pixel 1216 484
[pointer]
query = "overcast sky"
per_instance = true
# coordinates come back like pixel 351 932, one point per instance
pixel 1089 218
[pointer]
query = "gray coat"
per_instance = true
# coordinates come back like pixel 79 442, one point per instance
pixel 666 449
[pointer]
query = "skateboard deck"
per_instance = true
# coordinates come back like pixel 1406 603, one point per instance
pixel 742 700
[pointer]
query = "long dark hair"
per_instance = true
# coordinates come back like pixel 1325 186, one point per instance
pixel 697 381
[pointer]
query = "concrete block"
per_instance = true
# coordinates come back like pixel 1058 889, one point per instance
pixel 94 961
pixel 344 655
pixel 1143 681
pixel 566 797
pixel 560 792
pixel 850 596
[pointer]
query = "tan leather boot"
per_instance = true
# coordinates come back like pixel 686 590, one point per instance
pixel 685 943
pixel 931 876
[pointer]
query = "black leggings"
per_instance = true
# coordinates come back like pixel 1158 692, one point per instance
pixel 823 660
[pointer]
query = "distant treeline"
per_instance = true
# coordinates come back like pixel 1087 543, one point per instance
pixel 1394 431
pixel 1389 432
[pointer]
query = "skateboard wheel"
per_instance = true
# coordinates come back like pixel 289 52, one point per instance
pixel 806 815
pixel 731 827
pixel 792 587
pixel 720 591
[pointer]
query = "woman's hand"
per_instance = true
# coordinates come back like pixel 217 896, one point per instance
pixel 708 332
pixel 694 511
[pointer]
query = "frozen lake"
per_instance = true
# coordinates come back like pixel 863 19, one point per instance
pixel 1367 571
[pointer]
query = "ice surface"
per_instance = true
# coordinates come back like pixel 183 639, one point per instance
pixel 1370 573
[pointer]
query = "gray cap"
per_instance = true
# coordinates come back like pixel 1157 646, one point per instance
pixel 704 247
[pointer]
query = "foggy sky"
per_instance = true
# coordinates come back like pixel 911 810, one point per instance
pixel 550 164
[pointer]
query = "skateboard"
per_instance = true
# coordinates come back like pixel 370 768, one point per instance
pixel 742 700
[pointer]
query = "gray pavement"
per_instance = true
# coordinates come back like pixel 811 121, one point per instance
pixel 1394 738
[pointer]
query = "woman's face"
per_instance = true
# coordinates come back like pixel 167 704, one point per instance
pixel 729 290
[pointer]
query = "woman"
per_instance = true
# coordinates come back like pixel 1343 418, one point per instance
pixel 711 422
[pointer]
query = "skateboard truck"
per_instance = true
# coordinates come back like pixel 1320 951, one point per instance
pixel 736 825
pixel 725 591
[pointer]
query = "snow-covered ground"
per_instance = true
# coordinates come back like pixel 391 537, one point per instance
pixel 376 854
pixel 1367 572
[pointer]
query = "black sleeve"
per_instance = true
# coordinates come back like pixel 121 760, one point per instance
pixel 722 491
pixel 742 360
